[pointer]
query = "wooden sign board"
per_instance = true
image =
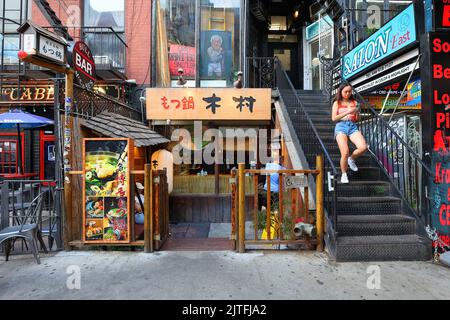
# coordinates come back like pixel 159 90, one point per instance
pixel 106 190
pixel 208 104
pixel 291 182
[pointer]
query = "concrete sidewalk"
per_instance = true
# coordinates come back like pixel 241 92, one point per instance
pixel 215 275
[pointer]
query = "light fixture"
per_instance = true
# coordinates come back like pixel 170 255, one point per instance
pixel 296 14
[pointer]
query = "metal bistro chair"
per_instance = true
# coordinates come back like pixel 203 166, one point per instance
pixel 26 228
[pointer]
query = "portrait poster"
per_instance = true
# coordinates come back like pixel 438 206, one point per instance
pixel 216 55
pixel 106 192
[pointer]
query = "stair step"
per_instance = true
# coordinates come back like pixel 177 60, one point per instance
pixel 368 205
pixel 364 174
pixel 373 225
pixel 364 189
pixel 383 248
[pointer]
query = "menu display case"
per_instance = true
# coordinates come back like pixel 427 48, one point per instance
pixel 106 190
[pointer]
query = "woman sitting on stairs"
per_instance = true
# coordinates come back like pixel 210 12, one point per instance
pixel 345 113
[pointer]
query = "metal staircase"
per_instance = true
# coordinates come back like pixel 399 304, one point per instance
pixel 53 19
pixel 372 223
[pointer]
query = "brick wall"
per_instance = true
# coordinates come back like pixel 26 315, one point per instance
pixel 68 11
pixel 138 38
pixel 137 31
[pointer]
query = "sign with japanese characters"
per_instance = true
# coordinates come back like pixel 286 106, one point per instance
pixel 51 49
pixel 208 104
pixel 106 190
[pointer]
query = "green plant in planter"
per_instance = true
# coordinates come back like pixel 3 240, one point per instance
pixel 287 225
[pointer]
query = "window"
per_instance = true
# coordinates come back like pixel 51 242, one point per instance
pixel 15 13
pixel 219 42
pixel 8 156
pixel 397 6
pixel 100 19
pixel 217 46
pixel 175 22
pixel 101 13
pixel 11 48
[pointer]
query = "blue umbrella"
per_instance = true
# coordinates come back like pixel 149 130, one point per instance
pixel 18 118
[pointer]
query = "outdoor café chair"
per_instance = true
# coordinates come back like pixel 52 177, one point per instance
pixel 27 229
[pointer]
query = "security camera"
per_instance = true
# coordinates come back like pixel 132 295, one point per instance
pixel 142 99
pixel 168 121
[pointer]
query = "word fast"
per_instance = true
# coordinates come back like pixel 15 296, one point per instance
pixel 85 65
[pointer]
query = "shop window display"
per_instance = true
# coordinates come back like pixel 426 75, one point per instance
pixel 219 42
pixel 175 20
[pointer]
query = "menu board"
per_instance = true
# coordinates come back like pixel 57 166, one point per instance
pixel 106 190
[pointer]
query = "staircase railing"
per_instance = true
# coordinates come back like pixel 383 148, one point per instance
pixel 260 72
pixel 309 139
pixel 403 166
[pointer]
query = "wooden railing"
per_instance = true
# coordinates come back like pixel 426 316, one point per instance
pixel 280 218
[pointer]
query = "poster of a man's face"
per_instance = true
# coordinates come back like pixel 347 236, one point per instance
pixel 216 54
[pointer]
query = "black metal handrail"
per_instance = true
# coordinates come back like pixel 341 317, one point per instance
pixel 309 139
pixel 107 46
pixel 260 72
pixel 403 166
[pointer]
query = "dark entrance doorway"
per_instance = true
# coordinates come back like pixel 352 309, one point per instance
pixel 287 53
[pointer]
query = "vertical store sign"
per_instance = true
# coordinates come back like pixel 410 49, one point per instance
pixel 106 190
pixel 441 14
pixel 440 156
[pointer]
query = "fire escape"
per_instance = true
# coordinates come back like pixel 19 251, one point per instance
pixel 106 44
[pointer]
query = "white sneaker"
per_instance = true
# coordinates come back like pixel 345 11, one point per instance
pixel 352 164
pixel 344 178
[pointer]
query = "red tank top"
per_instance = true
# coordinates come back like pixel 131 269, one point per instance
pixel 342 108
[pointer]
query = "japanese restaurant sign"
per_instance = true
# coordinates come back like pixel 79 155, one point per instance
pixel 106 190
pixel 208 104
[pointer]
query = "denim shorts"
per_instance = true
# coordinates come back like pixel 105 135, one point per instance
pixel 346 127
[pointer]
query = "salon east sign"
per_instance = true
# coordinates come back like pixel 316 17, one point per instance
pixel 208 104
pixel 394 36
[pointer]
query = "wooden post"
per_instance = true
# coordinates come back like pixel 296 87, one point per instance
pixel 233 206
pixel 306 205
pixel 280 205
pixel 241 208
pixel 268 222
pixel 148 204
pixel 157 212
pixel 319 203
pixel 216 179
pixel 255 204
pixel 68 136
